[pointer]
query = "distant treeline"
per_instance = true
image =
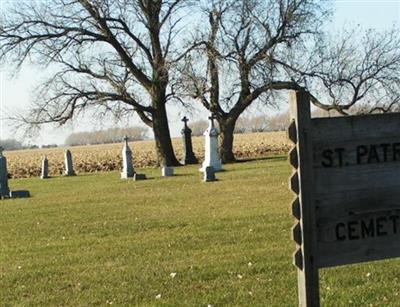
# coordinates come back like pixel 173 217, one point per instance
pixel 279 121
pixel 108 136
pixel 11 144
pixel 261 123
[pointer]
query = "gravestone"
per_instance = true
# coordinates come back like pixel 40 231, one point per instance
pixel 4 189
pixel 211 157
pixel 209 174
pixel 127 165
pixel 347 186
pixel 188 154
pixel 45 169
pixel 69 168
pixel 167 171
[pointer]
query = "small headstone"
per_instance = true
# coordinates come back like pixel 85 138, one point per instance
pixel 188 154
pixel 211 157
pixel 69 169
pixel 45 168
pixel 137 177
pixel 167 171
pixel 209 174
pixel 127 165
pixel 4 189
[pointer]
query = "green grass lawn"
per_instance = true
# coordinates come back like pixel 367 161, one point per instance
pixel 95 240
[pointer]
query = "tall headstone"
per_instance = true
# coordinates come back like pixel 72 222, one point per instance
pixel 45 169
pixel 69 169
pixel 127 166
pixel 188 154
pixel 4 189
pixel 211 157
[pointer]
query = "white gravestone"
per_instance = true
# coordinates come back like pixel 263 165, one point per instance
pixel 4 189
pixel 127 166
pixel 45 169
pixel 69 169
pixel 211 157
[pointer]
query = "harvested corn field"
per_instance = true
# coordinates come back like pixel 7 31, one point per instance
pixel 95 158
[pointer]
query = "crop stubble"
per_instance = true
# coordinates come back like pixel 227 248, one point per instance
pixel 94 158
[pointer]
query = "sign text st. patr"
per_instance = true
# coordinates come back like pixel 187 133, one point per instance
pixel 347 183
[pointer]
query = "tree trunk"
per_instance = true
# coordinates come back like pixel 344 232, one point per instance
pixel 227 127
pixel 164 149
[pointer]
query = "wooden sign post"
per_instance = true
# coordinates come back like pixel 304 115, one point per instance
pixel 347 184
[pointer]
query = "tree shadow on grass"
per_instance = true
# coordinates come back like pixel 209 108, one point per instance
pixel 178 175
pixel 270 158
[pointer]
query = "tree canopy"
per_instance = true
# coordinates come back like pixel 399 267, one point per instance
pixel 122 57
pixel 109 57
pixel 252 49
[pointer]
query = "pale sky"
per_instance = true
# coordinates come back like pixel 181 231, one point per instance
pixel 15 92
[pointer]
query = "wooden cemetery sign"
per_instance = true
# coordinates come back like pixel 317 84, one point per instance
pixel 347 183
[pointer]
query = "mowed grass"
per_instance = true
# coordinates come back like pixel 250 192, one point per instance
pixel 96 240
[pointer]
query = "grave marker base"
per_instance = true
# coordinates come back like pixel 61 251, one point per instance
pixel 209 174
pixel 167 171
pixel 16 194
pixel 20 194
pixel 138 177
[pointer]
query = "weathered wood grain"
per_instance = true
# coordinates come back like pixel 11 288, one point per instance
pixel 359 177
pixel 339 129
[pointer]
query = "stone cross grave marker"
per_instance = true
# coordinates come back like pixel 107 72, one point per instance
pixel 211 157
pixel 69 168
pixel 45 168
pixel 347 185
pixel 127 165
pixel 4 189
pixel 188 154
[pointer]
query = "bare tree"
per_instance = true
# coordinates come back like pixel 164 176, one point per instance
pixel 355 67
pixel 254 48
pixel 244 45
pixel 111 57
